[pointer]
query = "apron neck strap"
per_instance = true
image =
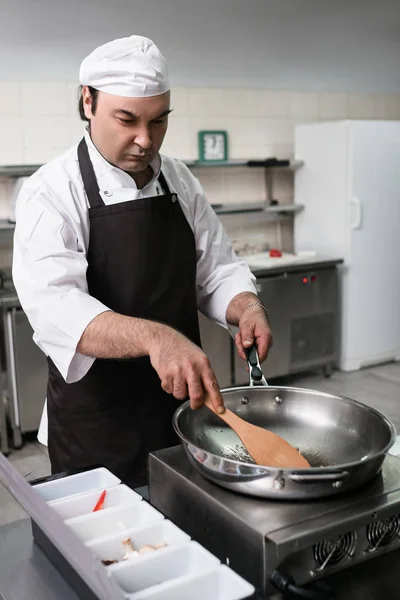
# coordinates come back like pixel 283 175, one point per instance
pixel 89 178
pixel 164 184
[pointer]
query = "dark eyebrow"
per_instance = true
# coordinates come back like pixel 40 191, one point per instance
pixel 129 114
pixel 132 115
pixel 164 114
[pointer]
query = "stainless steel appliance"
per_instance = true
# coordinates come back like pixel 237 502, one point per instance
pixel 25 378
pixel 303 304
pixel 304 312
pixel 262 539
pixel 218 345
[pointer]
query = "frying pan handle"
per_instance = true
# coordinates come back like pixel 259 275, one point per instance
pixel 323 477
pixel 255 371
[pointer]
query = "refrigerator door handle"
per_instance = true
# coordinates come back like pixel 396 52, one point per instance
pixel 357 214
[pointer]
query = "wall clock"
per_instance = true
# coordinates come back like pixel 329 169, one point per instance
pixel 213 146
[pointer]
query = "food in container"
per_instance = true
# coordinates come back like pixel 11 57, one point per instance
pixel 131 552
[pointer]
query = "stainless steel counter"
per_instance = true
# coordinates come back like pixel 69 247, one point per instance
pixel 25 571
pixel 316 262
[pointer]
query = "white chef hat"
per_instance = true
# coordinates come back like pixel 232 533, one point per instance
pixel 132 67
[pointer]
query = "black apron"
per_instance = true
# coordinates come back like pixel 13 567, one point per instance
pixel 141 263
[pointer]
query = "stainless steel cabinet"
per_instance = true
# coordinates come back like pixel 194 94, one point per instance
pixel 26 373
pixel 216 344
pixel 304 312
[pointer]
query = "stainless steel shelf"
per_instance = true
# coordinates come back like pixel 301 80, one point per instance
pixel 275 209
pixel 28 170
pixel 18 170
pixel 293 166
pixel 6 225
pixel 219 163
pixel 284 208
pixel 226 209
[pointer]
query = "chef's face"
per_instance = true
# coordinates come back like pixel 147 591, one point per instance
pixel 128 132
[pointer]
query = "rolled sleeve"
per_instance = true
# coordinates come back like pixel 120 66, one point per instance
pixel 232 282
pixel 49 272
pixel 62 328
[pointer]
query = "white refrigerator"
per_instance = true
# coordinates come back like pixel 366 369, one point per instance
pixel 350 188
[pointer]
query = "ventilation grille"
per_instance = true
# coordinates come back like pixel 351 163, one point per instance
pixel 330 553
pixel 383 533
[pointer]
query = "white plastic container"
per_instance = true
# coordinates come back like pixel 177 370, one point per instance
pixel 77 506
pixel 158 567
pixel 100 524
pixel 112 548
pixel 220 584
pixel 87 481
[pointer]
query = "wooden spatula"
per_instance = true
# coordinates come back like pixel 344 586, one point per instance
pixel 265 447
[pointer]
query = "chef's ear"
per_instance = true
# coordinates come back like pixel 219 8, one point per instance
pixel 87 102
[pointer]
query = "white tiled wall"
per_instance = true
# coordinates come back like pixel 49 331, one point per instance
pixel 38 121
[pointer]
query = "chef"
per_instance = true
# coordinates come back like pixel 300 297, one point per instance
pixel 116 248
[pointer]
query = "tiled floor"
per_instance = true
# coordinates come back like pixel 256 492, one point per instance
pixel 378 387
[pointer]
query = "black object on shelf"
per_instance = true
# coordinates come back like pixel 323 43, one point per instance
pixel 268 162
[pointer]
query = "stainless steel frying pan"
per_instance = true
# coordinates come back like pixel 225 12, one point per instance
pixel 344 440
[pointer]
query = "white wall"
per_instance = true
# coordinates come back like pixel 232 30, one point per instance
pixel 38 121
pixel 313 45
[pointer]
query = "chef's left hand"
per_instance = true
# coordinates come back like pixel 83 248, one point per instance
pixel 254 327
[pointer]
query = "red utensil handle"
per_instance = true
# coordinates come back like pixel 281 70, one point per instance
pixel 100 502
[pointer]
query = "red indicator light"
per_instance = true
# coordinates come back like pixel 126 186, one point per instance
pixel 313 278
pixel 305 279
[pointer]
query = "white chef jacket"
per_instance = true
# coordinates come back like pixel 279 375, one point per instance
pixel 51 242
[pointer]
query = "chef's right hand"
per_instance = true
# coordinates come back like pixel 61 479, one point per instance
pixel 184 369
